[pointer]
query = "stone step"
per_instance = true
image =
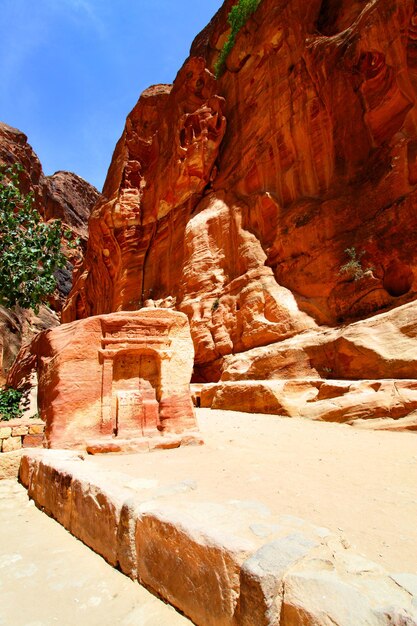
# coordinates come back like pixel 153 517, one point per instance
pixel 117 445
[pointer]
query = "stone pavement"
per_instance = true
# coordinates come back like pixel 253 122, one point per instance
pixel 49 578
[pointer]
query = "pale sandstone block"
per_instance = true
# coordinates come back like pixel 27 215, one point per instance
pixel 12 443
pixel 18 431
pixel 9 464
pixel 36 429
pixel 346 589
pixel 5 432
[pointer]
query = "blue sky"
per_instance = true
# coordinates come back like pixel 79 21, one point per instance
pixel 71 70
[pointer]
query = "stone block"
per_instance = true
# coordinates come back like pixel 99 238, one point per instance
pixel 50 487
pixel 262 578
pixel 9 464
pixel 192 559
pixel 36 429
pixel 33 441
pixel 345 589
pixel 5 432
pixel 96 512
pixel 18 431
pixel 12 443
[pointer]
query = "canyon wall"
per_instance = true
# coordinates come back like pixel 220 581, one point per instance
pixel 279 199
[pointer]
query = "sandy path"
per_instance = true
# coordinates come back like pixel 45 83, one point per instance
pixel 49 578
pixel 362 484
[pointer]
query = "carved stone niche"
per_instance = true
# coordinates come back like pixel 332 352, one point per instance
pixel 117 382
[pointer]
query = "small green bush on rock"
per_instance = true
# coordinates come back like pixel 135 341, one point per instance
pixel 353 268
pixel 237 18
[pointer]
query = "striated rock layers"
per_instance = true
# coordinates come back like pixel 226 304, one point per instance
pixel 235 200
pixel 63 196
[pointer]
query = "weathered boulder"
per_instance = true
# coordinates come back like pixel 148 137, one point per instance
pixel 382 346
pixel 385 404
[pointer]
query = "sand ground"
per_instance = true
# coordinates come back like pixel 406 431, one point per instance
pixel 358 483
pixel 361 484
pixel 49 578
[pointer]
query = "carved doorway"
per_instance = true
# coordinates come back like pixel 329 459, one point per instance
pixel 136 393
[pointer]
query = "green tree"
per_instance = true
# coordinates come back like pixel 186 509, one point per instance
pixel 237 18
pixel 10 403
pixel 30 249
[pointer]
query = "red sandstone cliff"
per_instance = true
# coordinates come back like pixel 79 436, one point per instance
pixel 63 196
pixel 234 200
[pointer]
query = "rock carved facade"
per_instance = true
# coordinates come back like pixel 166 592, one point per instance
pixel 113 379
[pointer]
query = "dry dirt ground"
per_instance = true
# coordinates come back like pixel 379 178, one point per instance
pixel 359 483
pixel 49 578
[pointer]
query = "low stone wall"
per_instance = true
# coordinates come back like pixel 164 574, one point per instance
pixel 21 433
pixel 221 564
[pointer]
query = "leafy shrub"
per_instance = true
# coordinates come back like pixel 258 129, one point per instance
pixel 10 403
pixel 353 267
pixel 237 18
pixel 30 249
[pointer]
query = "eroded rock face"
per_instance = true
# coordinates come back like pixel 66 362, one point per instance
pixel 63 196
pixel 381 347
pixel 117 377
pixel 137 231
pixel 235 200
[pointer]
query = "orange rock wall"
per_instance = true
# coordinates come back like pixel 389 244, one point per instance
pixel 234 200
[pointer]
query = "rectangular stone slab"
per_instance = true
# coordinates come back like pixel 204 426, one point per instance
pixel 221 564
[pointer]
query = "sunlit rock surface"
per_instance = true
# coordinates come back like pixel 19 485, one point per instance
pixel 236 200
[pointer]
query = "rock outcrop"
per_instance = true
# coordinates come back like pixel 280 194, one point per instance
pixel 235 200
pixel 63 196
